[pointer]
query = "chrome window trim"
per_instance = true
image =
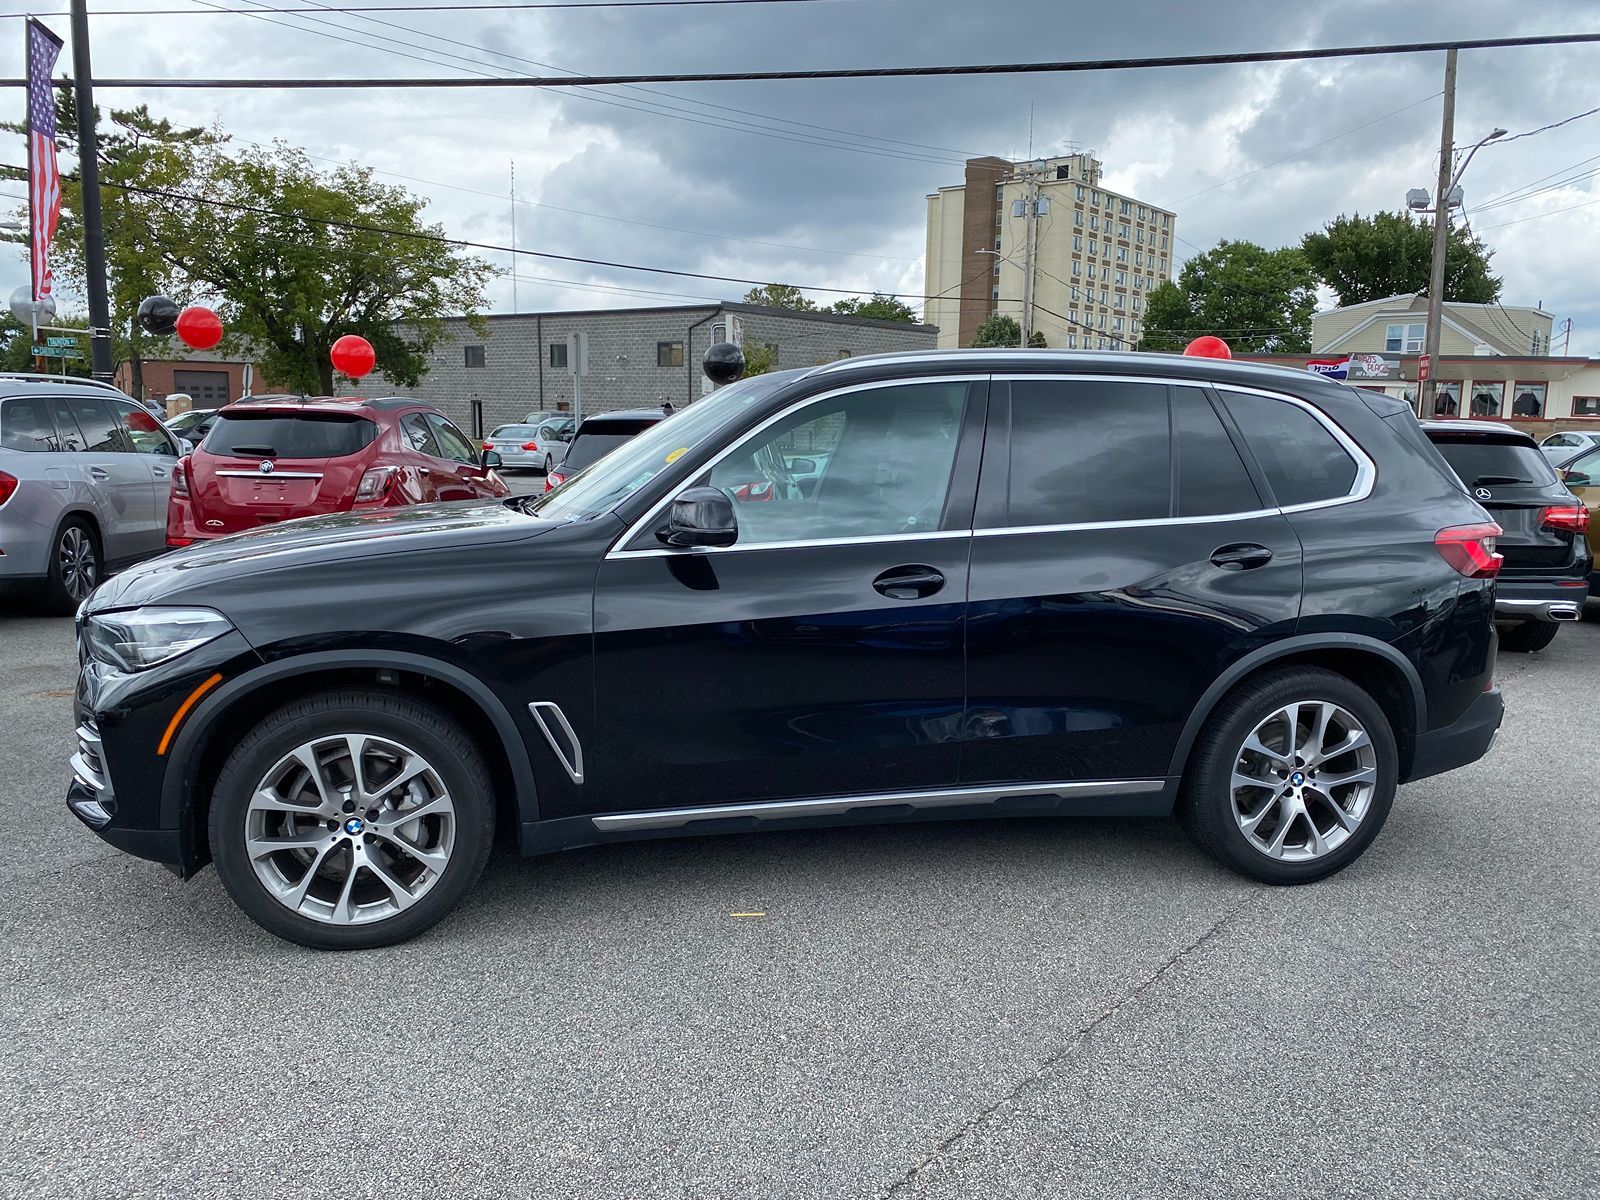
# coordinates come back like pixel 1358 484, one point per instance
pixel 573 762
pixel 775 810
pixel 798 544
pixel 258 474
pixel 654 512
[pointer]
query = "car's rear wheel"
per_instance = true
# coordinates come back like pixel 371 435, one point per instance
pixel 352 819
pixel 548 465
pixel 1292 777
pixel 75 567
pixel 1528 636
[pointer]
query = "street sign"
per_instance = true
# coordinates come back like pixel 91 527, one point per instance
pixel 57 352
pixel 1424 366
pixel 61 341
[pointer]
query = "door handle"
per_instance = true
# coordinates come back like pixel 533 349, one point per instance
pixel 909 583
pixel 99 473
pixel 1241 556
pixel 159 472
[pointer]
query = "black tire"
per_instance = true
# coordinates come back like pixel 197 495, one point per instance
pixel 58 594
pixel 1528 636
pixel 1206 805
pixel 413 724
pixel 548 465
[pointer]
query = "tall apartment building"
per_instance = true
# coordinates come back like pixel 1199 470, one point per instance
pixel 1096 253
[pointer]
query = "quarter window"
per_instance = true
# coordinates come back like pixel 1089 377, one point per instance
pixel 25 424
pixel 1302 461
pixel 866 464
pixel 1087 452
pixel 1212 478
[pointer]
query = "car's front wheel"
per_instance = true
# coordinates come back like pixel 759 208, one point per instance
pixel 352 819
pixel 1292 777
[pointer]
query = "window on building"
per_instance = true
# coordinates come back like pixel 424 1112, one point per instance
pixel 1116 325
pixel 1077 217
pixel 558 354
pixel 1127 207
pixel 994 293
pixel 1122 231
pixel 1094 223
pixel 1447 399
pixel 1074 293
pixel 1163 267
pixel 1091 270
pixel 1527 399
pixel 719 332
pixel 1077 242
pixel 1166 220
pixel 1487 395
pixel 1137 304
pixel 1121 300
pixel 1077 267
pixel 1139 237
pixel 1094 247
pixel 1302 461
pixel 1102 320
pixel 1121 279
pixel 1403 339
pixel 999 191
pixel 1096 200
pixel 1122 254
pixel 1080 191
pixel 1103 299
pixel 474 356
pixel 1142 212
pixel 669 354
pixel 1586 406
pixel 1138 258
pixel 1072 344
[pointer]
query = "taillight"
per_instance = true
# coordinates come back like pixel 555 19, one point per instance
pixel 488 445
pixel 180 478
pixel 1572 517
pixel 374 483
pixel 8 485
pixel 1470 549
pixel 553 480
pixel 530 445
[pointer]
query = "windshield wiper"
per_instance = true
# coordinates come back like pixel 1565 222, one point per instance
pixel 1486 480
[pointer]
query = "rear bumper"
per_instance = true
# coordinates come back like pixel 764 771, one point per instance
pixel 1540 600
pixel 1465 741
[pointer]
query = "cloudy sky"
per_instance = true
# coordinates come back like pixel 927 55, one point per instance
pixel 822 183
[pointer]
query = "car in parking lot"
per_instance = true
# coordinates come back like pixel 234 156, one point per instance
pixel 526 447
pixel 1562 448
pixel 1582 477
pixel 270 459
pixel 194 424
pixel 598 436
pixel 1544 542
pixel 1022 582
pixel 84 474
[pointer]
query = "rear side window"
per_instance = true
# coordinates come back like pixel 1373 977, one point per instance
pixel 1212 478
pixel 25 424
pixel 1088 452
pixel 1483 461
pixel 290 435
pixel 1302 460
pixel 101 430
pixel 595 441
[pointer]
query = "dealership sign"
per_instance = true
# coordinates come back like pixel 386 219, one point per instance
pixel 1333 368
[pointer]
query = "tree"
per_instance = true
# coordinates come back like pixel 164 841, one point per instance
pixel 759 358
pixel 879 308
pixel 16 348
pixel 998 330
pixel 1389 254
pixel 780 295
pixel 1258 300
pixel 1036 340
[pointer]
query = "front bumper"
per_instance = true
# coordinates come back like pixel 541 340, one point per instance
pixel 1465 741
pixel 1540 600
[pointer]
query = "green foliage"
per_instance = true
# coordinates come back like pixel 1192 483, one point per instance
pixel 1389 254
pixel 1257 300
pixel 759 358
pixel 879 308
pixel 16 348
pixel 1037 341
pixel 998 330
pixel 780 295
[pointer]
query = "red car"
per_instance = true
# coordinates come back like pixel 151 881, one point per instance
pixel 273 458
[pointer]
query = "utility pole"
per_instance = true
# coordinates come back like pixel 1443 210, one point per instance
pixel 1441 235
pixel 514 305
pixel 1030 218
pixel 94 246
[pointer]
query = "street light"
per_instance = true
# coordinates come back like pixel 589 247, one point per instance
pixel 1448 196
pixel 999 258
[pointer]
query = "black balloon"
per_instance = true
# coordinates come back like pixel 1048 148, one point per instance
pixel 723 363
pixel 158 315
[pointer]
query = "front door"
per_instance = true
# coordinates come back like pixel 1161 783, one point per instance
pixel 822 653
pixel 1122 558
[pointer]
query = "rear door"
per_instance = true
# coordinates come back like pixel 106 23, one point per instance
pixel 1122 559
pixel 132 523
pixel 157 449
pixel 1516 483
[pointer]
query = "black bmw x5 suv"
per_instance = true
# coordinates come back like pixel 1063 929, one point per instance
pixel 938 585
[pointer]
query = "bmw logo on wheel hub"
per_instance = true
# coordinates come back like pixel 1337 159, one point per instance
pixel 1297 778
pixel 354 826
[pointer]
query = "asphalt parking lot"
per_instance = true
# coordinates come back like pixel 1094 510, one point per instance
pixel 980 1010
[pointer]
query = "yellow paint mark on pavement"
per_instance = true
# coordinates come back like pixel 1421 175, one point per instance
pixel 749 914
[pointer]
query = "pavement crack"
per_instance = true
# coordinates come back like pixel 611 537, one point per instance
pixel 1031 1082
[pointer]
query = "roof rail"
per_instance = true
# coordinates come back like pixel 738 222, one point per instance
pixel 37 377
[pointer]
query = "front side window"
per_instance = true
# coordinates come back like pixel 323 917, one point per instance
pixel 1087 452
pixel 452 441
pixel 25 424
pixel 143 431
pixel 1303 462
pixel 871 463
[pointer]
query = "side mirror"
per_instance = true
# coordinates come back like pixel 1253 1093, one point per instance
pixel 185 446
pixel 802 466
pixel 701 516
pixel 1577 479
pixel 491 459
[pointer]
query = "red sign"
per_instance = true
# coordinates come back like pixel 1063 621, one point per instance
pixel 1424 364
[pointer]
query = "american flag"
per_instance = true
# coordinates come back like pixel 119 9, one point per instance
pixel 44 176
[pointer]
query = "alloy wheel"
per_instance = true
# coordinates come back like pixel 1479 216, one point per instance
pixel 350 828
pixel 75 558
pixel 1303 781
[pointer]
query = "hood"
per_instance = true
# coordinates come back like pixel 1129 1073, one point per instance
pixel 311 540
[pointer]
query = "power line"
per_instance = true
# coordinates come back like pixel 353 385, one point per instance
pixel 1507 195
pixel 1028 68
pixel 1553 125
pixel 1536 216
pixel 450 8
pixel 1530 194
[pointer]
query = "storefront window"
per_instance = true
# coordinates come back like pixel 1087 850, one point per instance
pixel 1447 401
pixel 1527 400
pixel 1486 397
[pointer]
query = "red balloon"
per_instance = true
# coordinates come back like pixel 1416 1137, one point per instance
pixel 353 356
pixel 199 328
pixel 1208 347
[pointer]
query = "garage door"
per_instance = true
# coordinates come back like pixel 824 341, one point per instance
pixel 209 388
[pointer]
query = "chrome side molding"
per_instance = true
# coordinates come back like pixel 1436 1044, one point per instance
pixel 777 810
pixel 571 755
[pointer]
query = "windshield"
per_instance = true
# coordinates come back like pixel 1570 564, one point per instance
pixel 1478 460
pixel 640 459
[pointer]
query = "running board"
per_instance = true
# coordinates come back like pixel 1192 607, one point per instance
pixel 833 806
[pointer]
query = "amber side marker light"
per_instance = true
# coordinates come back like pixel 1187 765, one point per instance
pixel 183 711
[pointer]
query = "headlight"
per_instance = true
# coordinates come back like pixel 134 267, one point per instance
pixel 143 637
